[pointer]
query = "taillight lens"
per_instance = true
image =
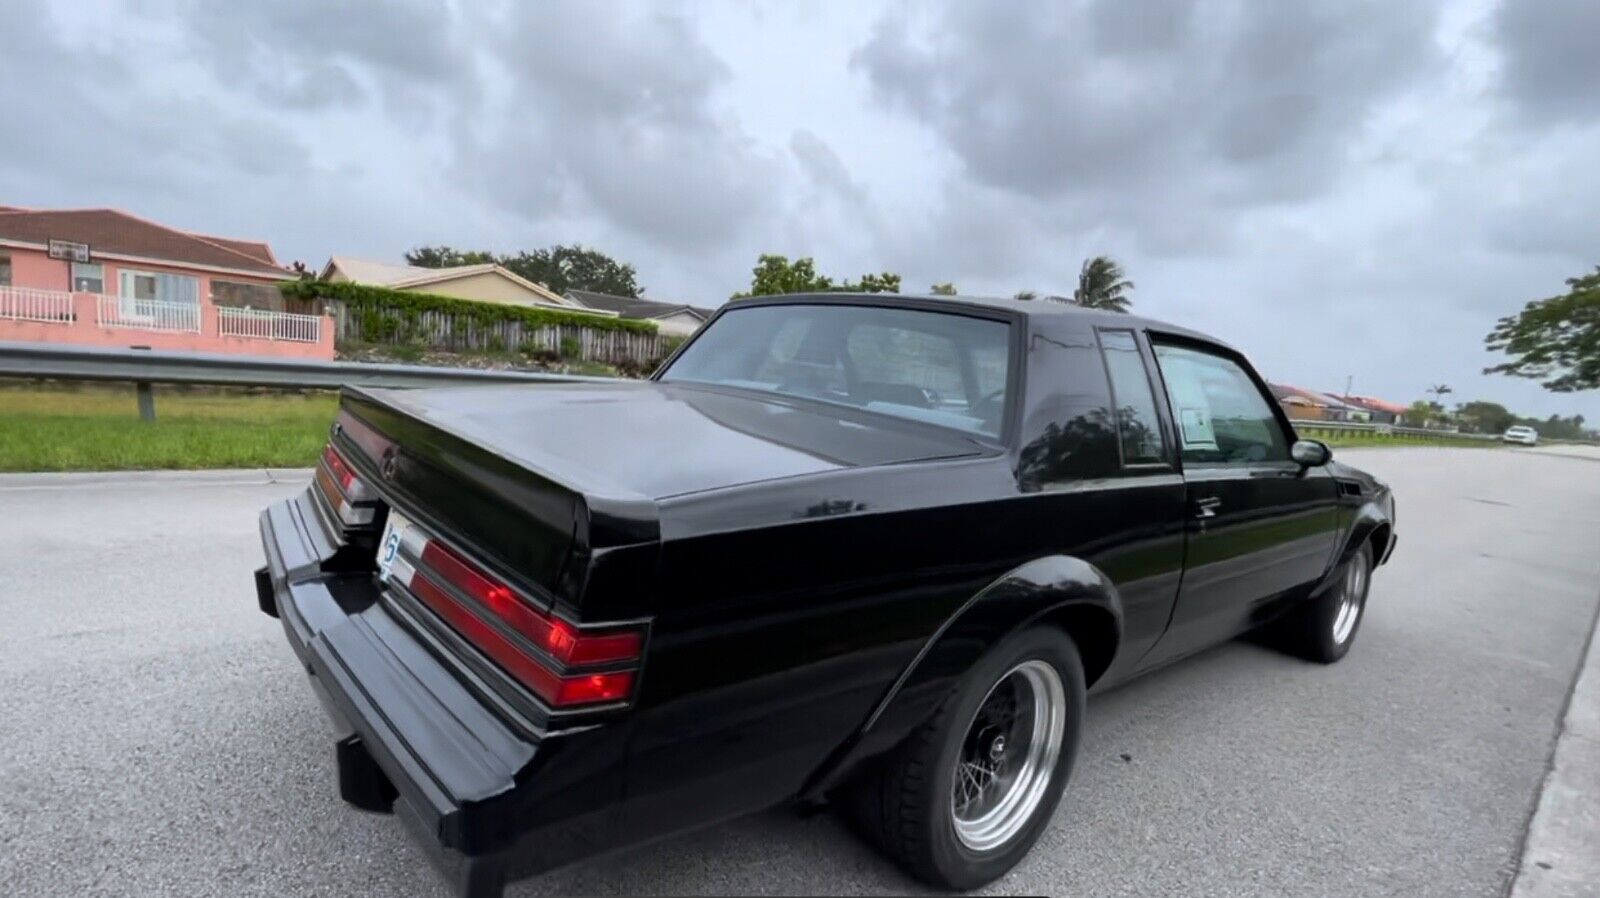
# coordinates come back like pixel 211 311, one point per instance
pixel 350 497
pixel 554 669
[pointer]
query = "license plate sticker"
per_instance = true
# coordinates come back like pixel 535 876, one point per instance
pixel 389 546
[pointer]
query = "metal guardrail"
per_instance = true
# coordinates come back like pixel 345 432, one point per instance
pixel 1308 425
pixel 1311 427
pixel 143 368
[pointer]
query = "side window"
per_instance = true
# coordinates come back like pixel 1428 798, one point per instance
pixel 1138 427
pixel 5 269
pixel 1220 413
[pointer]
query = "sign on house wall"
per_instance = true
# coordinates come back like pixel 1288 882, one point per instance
pixel 68 250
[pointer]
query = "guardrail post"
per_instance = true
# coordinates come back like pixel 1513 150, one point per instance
pixel 147 400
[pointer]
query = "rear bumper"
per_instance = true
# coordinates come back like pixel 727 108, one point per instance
pixel 489 799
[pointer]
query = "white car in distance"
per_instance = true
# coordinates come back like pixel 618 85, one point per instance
pixel 1520 433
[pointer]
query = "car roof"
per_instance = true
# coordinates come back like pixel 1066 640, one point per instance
pixel 1044 310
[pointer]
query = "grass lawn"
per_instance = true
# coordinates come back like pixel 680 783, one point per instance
pixel 97 428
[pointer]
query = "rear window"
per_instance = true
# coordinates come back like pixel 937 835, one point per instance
pixel 939 368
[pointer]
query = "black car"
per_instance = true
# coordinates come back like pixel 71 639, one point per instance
pixel 861 550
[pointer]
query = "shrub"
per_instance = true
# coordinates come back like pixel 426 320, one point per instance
pixel 406 352
pixel 570 347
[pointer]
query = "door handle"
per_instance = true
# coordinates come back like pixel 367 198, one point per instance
pixel 1207 507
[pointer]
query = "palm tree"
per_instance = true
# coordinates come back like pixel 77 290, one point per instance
pixel 1439 391
pixel 1101 285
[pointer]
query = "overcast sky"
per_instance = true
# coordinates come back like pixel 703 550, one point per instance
pixel 1353 188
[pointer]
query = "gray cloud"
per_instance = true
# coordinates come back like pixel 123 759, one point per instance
pixel 1112 109
pixel 310 54
pixel 87 117
pixel 1551 58
pixel 612 116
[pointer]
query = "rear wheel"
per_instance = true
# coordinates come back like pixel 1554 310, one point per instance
pixel 1324 628
pixel 962 801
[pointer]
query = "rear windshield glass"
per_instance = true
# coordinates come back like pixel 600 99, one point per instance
pixel 939 368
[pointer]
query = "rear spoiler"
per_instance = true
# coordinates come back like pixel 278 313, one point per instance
pixel 536 527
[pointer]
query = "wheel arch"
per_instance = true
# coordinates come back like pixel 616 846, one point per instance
pixel 1369 525
pixel 1057 590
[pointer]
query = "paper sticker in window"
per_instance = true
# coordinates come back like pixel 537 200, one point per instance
pixel 1197 430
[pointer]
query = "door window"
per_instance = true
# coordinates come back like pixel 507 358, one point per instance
pixel 5 269
pixel 1221 415
pixel 1138 428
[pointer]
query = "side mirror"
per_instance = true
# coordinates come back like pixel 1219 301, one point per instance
pixel 1310 453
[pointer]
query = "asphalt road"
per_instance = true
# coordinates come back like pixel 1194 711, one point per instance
pixel 157 737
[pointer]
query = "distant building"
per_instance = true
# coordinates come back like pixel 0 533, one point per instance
pixel 1305 405
pixel 673 319
pixel 1382 411
pixel 106 277
pixel 128 256
pixel 482 283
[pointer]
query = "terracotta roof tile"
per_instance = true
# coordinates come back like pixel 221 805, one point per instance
pixel 114 231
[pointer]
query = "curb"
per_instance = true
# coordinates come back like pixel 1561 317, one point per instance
pixel 214 477
pixel 1561 850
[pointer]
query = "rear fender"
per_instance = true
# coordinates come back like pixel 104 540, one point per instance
pixel 1065 591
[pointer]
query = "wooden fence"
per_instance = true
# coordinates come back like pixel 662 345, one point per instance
pixel 460 333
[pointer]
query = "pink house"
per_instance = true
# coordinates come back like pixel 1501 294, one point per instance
pixel 102 277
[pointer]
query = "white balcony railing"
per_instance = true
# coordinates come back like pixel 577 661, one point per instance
pixel 28 304
pixel 264 325
pixel 149 314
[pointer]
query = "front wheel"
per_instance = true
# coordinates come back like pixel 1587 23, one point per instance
pixel 1324 628
pixel 962 801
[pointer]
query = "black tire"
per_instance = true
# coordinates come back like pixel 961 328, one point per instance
pixel 1314 631
pixel 905 805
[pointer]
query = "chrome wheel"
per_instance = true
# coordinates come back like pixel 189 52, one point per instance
pixel 1352 592
pixel 1008 756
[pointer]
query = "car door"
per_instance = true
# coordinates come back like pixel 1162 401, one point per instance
pixel 1260 527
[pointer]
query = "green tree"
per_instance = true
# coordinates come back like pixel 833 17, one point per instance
pixel 944 289
pixel 1421 413
pixel 883 282
pixel 1025 295
pixel 1554 340
pixel 1102 285
pixel 447 257
pixel 563 268
pixel 560 268
pixel 1485 417
pixel 775 275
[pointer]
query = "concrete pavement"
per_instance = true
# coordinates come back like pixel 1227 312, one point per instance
pixel 159 738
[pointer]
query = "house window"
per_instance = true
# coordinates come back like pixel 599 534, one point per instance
pixel 5 269
pixel 88 278
pixel 163 287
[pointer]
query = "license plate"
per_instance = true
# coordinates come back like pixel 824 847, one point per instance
pixel 389 546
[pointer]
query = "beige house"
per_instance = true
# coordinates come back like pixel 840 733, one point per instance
pixel 483 283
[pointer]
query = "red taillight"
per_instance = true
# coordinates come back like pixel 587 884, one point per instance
pixel 338 468
pixel 563 646
pixel 560 640
pixel 599 687
pixel 349 496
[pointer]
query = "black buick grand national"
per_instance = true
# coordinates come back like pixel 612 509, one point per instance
pixel 867 550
